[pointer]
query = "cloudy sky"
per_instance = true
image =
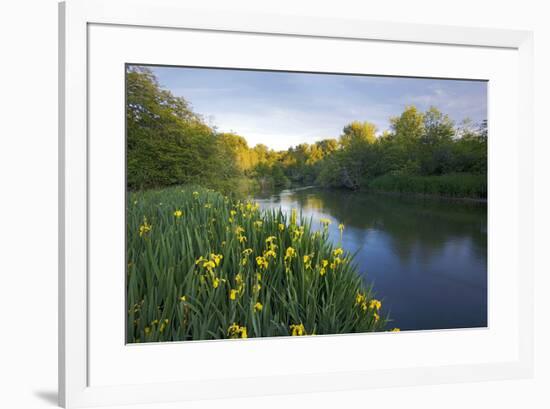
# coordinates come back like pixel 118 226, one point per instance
pixel 281 109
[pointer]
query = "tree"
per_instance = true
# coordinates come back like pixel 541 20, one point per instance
pixel 167 143
pixel 244 158
pixel 358 132
pixel 436 151
pixel 409 126
pixel 437 127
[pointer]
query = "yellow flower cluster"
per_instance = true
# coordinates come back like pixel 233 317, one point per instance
pixel 239 281
pixel 216 258
pixel 323 270
pixel 361 301
pixel 297 232
pixel 270 240
pixel 258 307
pixel 336 260
pixel 307 261
pixel 247 208
pixel 252 206
pixel 289 254
pixel 246 253
pixel 209 264
pixel 163 324
pixel 262 262
pixel 236 331
pixel 144 228
pixel 136 307
pixel 178 213
pixel 270 252
pixel 239 284
pixel 375 304
pixel 238 231
pixel 297 330
pixel 216 282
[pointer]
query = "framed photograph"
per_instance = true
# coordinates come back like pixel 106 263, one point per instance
pixel 261 204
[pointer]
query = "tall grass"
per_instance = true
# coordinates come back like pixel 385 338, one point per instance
pixel 204 266
pixel 452 185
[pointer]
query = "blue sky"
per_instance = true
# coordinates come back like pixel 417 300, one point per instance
pixel 281 109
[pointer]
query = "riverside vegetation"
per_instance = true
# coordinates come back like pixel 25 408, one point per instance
pixel 205 263
pixel 204 266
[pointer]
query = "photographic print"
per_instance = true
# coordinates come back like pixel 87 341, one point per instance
pixel 273 203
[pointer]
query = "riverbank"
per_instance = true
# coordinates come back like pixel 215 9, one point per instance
pixel 379 192
pixel 429 196
pixel 463 187
pixel 460 186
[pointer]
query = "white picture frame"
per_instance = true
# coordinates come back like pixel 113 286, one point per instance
pixel 76 317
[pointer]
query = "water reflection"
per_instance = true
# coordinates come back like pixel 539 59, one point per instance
pixel 426 257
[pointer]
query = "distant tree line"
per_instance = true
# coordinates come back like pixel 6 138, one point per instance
pixel 423 152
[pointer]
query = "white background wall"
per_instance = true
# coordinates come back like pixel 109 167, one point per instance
pixel 28 202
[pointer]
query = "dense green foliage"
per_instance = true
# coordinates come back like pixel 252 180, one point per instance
pixel 451 185
pixel 417 152
pixel 168 144
pixel 203 266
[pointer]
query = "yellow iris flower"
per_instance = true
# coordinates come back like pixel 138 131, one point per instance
pixel 297 330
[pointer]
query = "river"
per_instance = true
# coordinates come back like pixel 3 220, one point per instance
pixel 426 257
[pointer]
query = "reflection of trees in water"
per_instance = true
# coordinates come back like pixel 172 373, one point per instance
pixel 418 227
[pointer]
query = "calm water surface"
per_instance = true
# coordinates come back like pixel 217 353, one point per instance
pixel 427 258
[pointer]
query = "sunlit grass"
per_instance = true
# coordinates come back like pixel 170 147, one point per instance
pixel 204 266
